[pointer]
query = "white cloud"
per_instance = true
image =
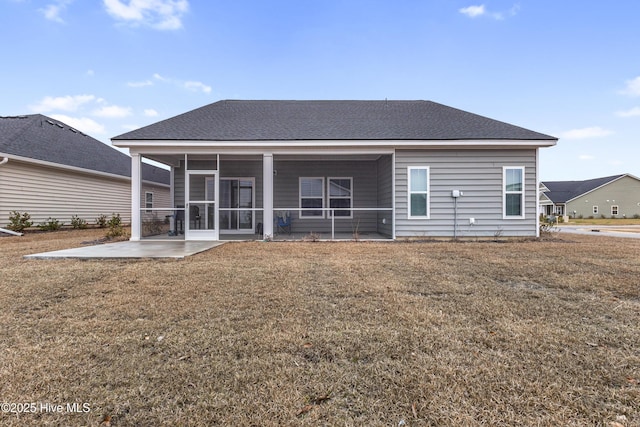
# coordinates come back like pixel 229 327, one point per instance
pixel 61 103
pixel 83 124
pixel 191 85
pixel 112 112
pixel 52 11
pixel 481 10
pixel 150 112
pixel 586 157
pixel 159 77
pixel 158 14
pixel 584 133
pixel 634 112
pixel 140 84
pixel 633 87
pixel 197 86
pixel 473 11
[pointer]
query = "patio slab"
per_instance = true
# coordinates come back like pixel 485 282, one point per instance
pixel 132 250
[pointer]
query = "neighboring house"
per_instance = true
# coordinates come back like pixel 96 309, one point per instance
pixel 49 169
pixel 612 196
pixel 343 169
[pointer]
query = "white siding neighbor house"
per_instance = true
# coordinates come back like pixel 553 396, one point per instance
pixel 49 169
pixel 341 169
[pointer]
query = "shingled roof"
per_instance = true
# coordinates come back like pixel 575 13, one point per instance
pixel 563 191
pixel 233 120
pixel 42 138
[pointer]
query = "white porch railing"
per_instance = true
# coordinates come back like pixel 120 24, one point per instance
pixel 330 214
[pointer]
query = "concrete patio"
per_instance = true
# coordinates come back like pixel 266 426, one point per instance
pixel 177 249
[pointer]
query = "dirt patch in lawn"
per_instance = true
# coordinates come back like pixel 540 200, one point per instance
pixel 416 334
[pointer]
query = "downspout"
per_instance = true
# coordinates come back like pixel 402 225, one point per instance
pixel 3 230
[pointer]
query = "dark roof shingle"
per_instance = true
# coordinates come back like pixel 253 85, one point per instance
pixel 233 120
pixel 42 138
pixel 563 191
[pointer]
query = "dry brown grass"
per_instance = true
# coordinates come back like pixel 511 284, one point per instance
pixel 432 334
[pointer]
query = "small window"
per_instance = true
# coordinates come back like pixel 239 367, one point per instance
pixel 595 210
pixel 340 196
pixel 148 201
pixel 418 192
pixel 513 199
pixel 311 196
pixel 614 210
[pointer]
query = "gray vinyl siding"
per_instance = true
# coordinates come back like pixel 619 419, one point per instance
pixel 58 193
pixel 365 193
pixel 479 175
pixel 385 195
pixel 624 193
pixel 178 179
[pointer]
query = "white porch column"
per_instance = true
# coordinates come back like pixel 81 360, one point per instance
pixel 136 183
pixel 267 194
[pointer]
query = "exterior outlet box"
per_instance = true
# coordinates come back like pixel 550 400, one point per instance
pixel 472 221
pixel 456 193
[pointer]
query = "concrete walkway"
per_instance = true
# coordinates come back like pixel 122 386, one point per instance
pixel 132 250
pixel 627 231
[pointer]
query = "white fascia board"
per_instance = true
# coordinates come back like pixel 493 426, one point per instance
pixel 151 151
pixel 318 144
pixel 156 184
pixel 64 167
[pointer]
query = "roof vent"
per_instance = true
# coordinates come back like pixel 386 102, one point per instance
pixel 50 122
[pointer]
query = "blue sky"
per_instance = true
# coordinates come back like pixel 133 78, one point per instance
pixel 567 68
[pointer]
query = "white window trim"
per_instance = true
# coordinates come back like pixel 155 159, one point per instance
pixel 148 208
pixel 595 210
pixel 301 213
pixel 350 198
pixel 505 192
pixel 409 192
pixel 617 208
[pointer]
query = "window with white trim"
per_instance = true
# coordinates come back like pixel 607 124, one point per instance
pixel 513 192
pixel 614 210
pixel 595 210
pixel 311 196
pixel 418 192
pixel 148 200
pixel 340 193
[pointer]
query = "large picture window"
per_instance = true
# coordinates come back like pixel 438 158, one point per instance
pixel 418 192
pixel 311 196
pixel 513 199
pixel 341 196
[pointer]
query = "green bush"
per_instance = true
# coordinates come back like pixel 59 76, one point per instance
pixel 78 223
pixel 18 222
pixel 50 224
pixel 115 226
pixel 101 221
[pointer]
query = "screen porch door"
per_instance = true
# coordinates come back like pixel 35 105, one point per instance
pixel 201 211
